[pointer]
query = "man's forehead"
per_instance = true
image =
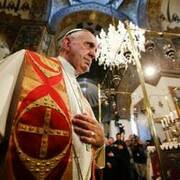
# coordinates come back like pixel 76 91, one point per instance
pixel 85 35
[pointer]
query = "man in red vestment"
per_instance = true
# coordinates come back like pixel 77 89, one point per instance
pixel 54 132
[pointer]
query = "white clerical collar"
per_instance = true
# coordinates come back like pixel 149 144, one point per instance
pixel 67 66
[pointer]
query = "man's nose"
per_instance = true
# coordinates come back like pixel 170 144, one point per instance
pixel 92 53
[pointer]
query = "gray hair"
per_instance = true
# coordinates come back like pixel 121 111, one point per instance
pixel 68 33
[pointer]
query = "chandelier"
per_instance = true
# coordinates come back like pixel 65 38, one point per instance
pixel 116 48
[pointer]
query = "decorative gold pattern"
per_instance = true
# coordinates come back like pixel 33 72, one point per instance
pixel 45 132
pixel 40 168
pixel 49 63
pixel 44 142
pixel 40 130
pixel 44 101
pixel 154 9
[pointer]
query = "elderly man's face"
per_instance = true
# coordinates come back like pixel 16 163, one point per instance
pixel 82 51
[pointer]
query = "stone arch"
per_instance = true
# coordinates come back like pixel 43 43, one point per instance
pixel 106 10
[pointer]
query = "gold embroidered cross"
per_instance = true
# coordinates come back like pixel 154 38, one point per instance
pixel 45 131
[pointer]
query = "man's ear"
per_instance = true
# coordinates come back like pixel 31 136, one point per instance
pixel 66 43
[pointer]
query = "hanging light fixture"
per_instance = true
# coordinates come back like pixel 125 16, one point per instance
pixel 115 45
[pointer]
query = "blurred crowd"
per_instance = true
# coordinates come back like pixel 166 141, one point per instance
pixel 125 159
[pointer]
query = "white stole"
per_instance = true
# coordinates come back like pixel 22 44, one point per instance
pixel 84 156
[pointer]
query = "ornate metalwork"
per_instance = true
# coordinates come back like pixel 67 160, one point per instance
pixel 169 51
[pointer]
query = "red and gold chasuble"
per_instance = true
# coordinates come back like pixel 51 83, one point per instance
pixel 40 144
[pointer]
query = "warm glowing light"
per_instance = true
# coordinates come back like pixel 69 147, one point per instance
pixel 150 71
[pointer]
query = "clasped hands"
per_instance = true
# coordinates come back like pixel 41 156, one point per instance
pixel 88 129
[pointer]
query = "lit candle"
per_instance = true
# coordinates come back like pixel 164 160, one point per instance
pixel 167 101
pixel 171 116
pixel 165 122
pixel 162 123
pixel 168 119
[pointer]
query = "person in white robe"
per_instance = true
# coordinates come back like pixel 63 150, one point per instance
pixel 78 50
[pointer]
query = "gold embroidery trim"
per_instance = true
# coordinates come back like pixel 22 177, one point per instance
pixel 40 168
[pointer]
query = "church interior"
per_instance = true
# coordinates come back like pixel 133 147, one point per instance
pixel 141 101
